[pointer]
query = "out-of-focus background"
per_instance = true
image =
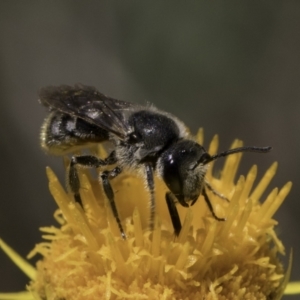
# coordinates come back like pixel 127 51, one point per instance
pixel 230 67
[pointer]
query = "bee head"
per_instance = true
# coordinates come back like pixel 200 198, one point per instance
pixel 182 167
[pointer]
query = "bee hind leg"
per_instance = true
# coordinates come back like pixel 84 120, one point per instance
pixel 84 161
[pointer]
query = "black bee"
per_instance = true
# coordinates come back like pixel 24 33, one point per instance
pixel 145 139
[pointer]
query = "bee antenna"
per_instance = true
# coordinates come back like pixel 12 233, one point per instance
pixel 237 150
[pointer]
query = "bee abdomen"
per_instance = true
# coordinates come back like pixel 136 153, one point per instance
pixel 62 134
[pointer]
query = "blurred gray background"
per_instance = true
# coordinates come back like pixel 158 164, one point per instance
pixel 231 67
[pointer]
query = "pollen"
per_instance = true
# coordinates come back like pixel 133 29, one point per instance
pixel 84 256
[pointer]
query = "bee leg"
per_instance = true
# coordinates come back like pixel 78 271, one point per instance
pixel 210 206
pixel 215 192
pixel 111 158
pixel 84 161
pixel 150 185
pixel 105 177
pixel 170 199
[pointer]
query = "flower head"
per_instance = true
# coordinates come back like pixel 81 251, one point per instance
pixel 86 258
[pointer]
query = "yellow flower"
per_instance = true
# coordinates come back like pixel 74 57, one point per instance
pixel 85 258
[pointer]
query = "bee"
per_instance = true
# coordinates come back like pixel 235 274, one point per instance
pixel 145 140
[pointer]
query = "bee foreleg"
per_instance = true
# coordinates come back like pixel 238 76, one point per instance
pixel 105 177
pixel 210 206
pixel 170 199
pixel 215 192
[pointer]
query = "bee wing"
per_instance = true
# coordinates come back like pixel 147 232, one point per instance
pixel 90 105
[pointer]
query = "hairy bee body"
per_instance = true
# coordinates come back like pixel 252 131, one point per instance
pixel 144 139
